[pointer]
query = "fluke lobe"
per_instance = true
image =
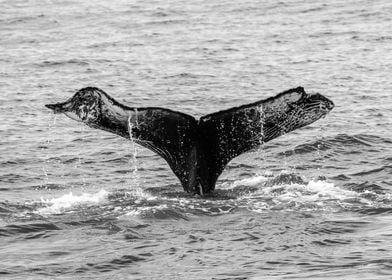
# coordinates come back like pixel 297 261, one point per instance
pixel 197 150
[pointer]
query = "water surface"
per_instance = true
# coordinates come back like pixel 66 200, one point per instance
pixel 76 203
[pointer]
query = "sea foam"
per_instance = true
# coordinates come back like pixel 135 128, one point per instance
pixel 69 201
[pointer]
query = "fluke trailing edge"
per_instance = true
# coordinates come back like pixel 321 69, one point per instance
pixel 197 150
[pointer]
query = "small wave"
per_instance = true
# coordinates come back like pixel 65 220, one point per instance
pixel 69 201
pixel 374 170
pixel 375 211
pixel 311 10
pixel 49 63
pixel 188 76
pixel 339 142
pixel 34 230
pixel 160 14
pixel 22 19
pixel 167 22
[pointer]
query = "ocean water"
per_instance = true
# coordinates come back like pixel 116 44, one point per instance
pixel 78 203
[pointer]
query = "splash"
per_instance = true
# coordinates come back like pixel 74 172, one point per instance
pixel 70 201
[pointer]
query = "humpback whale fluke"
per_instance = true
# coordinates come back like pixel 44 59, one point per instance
pixel 197 151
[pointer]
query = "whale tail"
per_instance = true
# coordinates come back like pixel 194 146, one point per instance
pixel 198 151
pixel 238 130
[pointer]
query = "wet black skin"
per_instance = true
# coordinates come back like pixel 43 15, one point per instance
pixel 197 150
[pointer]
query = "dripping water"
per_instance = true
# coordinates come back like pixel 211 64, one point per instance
pixel 133 161
pixel 79 162
pixel 46 155
pixel 260 150
pixel 261 123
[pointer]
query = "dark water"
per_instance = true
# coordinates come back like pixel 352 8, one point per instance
pixel 76 204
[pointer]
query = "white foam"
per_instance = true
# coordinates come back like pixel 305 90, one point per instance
pixel 249 182
pixel 313 191
pixel 313 195
pixel 141 195
pixel 69 201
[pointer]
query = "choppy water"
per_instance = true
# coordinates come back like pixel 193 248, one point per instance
pixel 76 204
